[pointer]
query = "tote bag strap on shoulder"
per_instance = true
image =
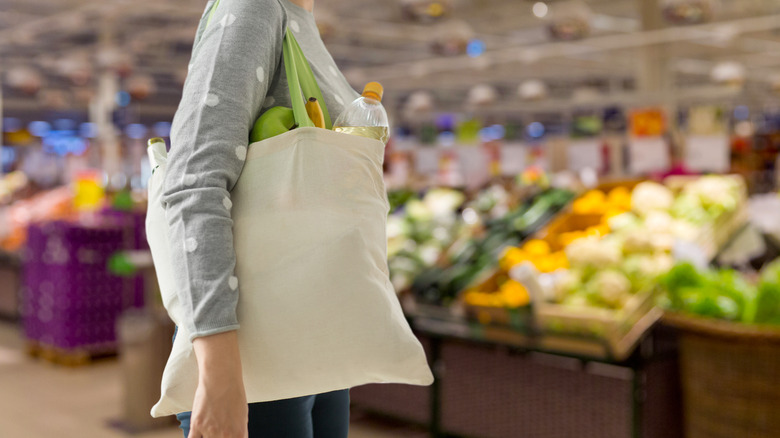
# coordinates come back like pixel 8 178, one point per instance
pixel 301 81
pixel 300 78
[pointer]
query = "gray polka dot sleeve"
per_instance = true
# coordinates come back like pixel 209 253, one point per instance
pixel 233 63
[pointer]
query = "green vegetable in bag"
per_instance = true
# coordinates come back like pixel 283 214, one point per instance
pixel 274 121
pixel 303 87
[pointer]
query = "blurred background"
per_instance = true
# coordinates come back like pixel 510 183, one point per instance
pixel 583 229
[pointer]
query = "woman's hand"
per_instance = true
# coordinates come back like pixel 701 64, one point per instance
pixel 220 409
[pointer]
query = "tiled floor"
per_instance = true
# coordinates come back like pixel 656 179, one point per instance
pixel 40 400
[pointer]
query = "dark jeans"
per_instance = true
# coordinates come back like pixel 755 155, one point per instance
pixel 312 416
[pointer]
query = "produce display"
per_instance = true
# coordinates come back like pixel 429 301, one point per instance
pixel 472 257
pixel 11 184
pixel 593 271
pixel 608 270
pixel 45 206
pixel 724 293
pixel 419 231
pixel 399 197
pixel 593 209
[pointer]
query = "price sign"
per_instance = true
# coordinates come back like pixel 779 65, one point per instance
pixel 474 165
pixel 707 153
pixel 648 154
pixel 649 122
pixel 584 154
pixel 513 158
pixel 426 160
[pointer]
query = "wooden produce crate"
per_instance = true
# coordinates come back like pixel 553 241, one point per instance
pixel 620 329
pixel 565 222
pixel 517 318
pixel 714 236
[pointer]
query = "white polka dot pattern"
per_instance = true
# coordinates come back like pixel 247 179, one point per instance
pixel 190 244
pixel 227 20
pixel 216 101
pixel 212 99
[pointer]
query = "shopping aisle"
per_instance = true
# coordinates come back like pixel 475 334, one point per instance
pixel 41 400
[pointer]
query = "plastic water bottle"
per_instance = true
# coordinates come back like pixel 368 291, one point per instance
pixel 365 116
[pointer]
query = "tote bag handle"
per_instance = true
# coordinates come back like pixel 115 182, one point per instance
pixel 300 78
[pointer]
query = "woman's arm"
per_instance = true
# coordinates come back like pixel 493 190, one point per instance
pixel 220 406
pixel 232 65
pixel 231 68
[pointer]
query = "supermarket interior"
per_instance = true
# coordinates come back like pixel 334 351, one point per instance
pixel 582 208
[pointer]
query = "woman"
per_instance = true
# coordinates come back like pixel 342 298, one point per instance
pixel 235 74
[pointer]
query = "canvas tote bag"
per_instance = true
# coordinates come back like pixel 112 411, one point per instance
pixel 316 307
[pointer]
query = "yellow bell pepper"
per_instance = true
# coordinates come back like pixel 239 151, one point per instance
pixel 537 247
pixel 514 294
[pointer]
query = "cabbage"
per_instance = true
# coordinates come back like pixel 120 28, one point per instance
pixel 717 194
pixel 649 196
pixel 442 201
pixel 594 252
pixel 689 208
pixel 609 288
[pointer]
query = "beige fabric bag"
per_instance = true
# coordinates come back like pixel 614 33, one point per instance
pixel 317 310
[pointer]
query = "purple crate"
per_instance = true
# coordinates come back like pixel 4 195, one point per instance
pixel 71 300
pixel 134 226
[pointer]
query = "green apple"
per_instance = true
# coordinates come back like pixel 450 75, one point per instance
pixel 274 121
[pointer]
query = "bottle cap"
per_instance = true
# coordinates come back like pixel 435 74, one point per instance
pixel 373 90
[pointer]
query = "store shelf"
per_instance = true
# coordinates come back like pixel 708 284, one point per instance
pixel 590 349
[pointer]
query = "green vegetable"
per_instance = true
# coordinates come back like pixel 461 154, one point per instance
pixel 123 201
pixel 120 265
pixel 683 275
pixel 608 288
pixel 274 121
pixel 399 197
pixel 766 306
pixel 730 285
pixel 543 205
pixel 471 257
pixel 723 294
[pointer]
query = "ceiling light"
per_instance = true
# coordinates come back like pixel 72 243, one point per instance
pixel 532 89
pixel 729 73
pixel 475 48
pixel 482 95
pixel 540 9
pixel 535 130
